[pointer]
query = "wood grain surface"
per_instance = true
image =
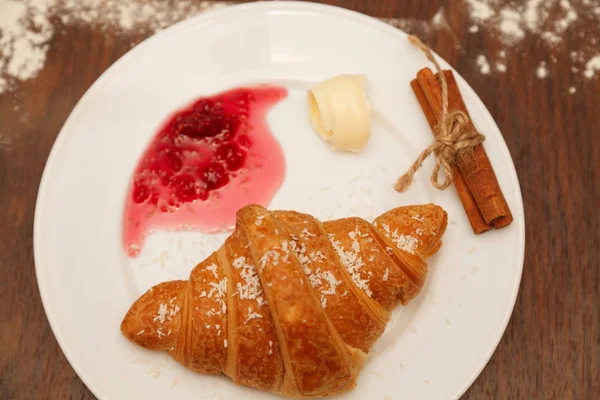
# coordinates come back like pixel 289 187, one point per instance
pixel 551 348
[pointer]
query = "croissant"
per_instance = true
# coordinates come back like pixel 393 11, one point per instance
pixel 288 304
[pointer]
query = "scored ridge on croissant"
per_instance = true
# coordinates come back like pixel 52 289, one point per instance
pixel 289 304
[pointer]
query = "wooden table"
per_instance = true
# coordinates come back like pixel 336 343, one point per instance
pixel 551 348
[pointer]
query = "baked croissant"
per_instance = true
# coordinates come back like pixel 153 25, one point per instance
pixel 289 304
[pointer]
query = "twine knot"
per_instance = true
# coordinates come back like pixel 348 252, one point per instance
pixel 452 135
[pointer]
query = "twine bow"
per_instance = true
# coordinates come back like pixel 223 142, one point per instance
pixel 452 134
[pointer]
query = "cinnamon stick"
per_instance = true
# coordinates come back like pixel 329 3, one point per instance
pixel 466 198
pixel 480 164
pixel 474 165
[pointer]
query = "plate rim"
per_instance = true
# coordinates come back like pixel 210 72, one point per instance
pixel 291 6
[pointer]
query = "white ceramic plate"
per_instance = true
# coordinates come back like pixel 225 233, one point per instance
pixel 432 349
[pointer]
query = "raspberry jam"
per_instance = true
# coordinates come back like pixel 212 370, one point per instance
pixel 206 162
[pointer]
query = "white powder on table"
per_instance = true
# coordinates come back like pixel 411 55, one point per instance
pixel 542 71
pixel 484 66
pixel 570 16
pixel 548 21
pixel 544 23
pixel 438 19
pixel 513 21
pixel 592 66
pixel 531 14
pixel 481 10
pixel 24 34
pixel 422 28
pixel 27 26
pixel 511 25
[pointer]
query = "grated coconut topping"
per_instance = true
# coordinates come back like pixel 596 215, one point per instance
pixel 213 268
pixel 273 255
pixel 317 278
pixel 252 315
pixel 403 242
pixel 352 262
pixel 251 289
pixel 166 311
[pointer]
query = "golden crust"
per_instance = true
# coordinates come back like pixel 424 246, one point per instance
pixel 200 346
pixel 153 320
pixel 367 259
pixel 413 268
pixel 356 323
pixel 316 360
pixel 289 304
pixel 414 229
pixel 254 355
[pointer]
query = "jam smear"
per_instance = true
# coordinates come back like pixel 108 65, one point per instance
pixel 206 162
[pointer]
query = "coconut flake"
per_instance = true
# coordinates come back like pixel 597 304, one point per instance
pixel 251 288
pixel 352 262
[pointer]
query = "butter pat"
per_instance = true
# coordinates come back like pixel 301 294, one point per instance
pixel 340 111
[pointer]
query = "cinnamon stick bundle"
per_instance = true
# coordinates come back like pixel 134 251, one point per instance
pixel 472 173
pixel 466 198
